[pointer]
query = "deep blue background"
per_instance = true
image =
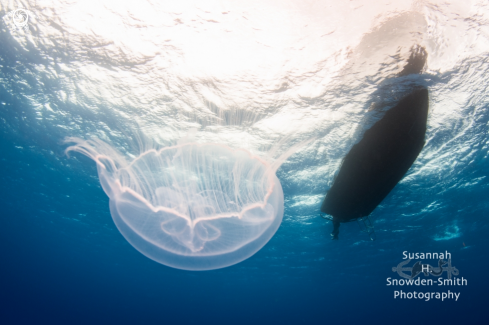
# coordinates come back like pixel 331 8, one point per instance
pixel 64 262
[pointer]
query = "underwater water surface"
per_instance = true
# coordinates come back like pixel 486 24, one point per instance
pixel 254 79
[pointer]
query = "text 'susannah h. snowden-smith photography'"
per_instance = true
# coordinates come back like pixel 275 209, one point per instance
pixel 410 275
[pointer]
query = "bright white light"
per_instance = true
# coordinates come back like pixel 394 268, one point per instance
pixel 299 67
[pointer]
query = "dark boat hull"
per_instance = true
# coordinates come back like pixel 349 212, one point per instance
pixel 379 161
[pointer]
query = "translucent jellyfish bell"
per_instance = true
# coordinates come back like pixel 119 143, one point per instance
pixel 190 206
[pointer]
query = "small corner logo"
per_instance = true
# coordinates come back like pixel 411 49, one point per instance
pixel 426 269
pixel 19 18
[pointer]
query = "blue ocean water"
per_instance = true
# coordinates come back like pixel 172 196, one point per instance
pixel 63 261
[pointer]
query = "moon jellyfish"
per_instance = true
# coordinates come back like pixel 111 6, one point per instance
pixel 190 206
